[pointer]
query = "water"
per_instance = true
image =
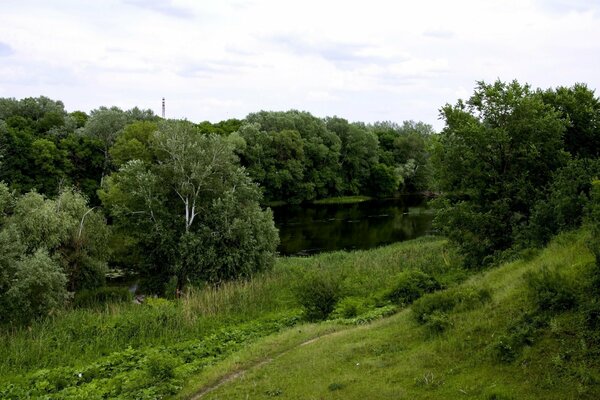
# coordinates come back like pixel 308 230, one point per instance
pixel 310 229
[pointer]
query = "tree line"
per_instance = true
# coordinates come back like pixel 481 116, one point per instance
pixel 174 201
pixel 180 203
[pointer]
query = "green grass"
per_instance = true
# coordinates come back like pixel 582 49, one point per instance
pixel 553 354
pixel 343 200
pixel 119 348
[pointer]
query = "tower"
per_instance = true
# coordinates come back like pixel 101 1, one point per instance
pixel 163 108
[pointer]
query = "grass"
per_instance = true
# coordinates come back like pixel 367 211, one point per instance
pixel 343 200
pixel 400 357
pixel 151 350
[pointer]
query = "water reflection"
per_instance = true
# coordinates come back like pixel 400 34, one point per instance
pixel 311 229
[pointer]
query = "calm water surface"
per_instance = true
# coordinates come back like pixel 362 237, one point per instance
pixel 309 229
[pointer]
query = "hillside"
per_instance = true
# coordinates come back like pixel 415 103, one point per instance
pixel 502 340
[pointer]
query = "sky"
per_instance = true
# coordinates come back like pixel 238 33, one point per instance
pixel 364 61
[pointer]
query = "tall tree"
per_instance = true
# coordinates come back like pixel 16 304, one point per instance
pixel 192 210
pixel 492 161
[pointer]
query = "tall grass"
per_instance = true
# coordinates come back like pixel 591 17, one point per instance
pixel 79 336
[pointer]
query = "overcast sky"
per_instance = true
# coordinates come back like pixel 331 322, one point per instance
pixel 361 60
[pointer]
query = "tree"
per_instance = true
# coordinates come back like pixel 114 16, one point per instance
pixel 192 210
pixel 133 143
pixel 105 124
pixel 358 154
pixel 75 235
pixel 580 109
pixel 320 148
pixel 47 247
pixel 405 148
pixel 492 161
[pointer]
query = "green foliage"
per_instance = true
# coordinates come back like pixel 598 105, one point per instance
pixel 349 307
pixel 101 296
pixel 38 288
pixel 142 373
pixel 318 293
pixel 492 160
pixel 594 222
pixel 551 290
pixel 580 109
pixel 410 285
pixel 161 367
pixel 47 246
pixel 565 205
pixel 192 211
pixel 384 180
pixel 522 333
pixel 433 307
pixel 133 143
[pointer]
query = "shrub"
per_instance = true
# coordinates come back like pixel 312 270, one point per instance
pixel 437 322
pixel 551 290
pixel 318 293
pixel 102 295
pixel 410 285
pixel 38 288
pixel 430 306
pixel 349 307
pixel 522 333
pixel 161 366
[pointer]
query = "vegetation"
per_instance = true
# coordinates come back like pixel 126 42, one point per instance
pixel 490 342
pixel 179 204
pixel 152 349
pixel 505 159
pixel 192 214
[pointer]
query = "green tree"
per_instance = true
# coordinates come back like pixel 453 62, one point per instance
pixel 580 108
pixel 133 143
pixel 38 288
pixel 105 124
pixel 358 154
pixel 72 233
pixel 192 210
pixel 492 161
pixel 320 148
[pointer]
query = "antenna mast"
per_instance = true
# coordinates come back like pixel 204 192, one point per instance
pixel 163 108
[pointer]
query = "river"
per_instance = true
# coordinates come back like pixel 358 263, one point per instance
pixel 309 229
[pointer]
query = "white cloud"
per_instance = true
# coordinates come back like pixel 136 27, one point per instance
pixel 363 61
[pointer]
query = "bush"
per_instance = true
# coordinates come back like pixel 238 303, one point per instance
pixel 318 293
pixel 38 288
pixel 522 333
pixel 430 306
pixel 411 285
pixel 349 307
pixel 102 295
pixel 161 366
pixel 551 290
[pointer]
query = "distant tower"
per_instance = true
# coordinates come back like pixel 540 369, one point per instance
pixel 163 108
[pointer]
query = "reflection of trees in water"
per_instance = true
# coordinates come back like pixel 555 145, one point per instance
pixel 332 227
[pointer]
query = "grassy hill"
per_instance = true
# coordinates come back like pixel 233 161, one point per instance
pixel 524 330
pixel 528 329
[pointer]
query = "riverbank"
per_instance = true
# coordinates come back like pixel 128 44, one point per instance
pixel 132 351
pixel 343 200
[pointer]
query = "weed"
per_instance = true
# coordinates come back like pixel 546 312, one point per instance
pixel 410 285
pixel 335 386
pixel 161 366
pixel 551 290
pixel 318 294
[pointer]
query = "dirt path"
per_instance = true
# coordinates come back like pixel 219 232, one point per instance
pixel 240 372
